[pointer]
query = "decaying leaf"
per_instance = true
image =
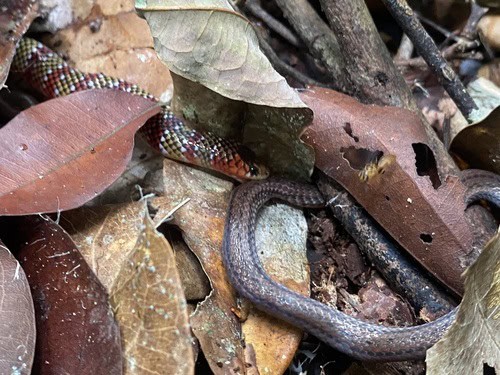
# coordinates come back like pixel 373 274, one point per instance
pixel 59 154
pixel 281 235
pixel 17 317
pixel 478 143
pixel 105 236
pixel 151 309
pixel 215 56
pixel 15 18
pixel 381 156
pixel 474 338
pixel 76 331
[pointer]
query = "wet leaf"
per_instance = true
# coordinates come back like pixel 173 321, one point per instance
pixel 59 154
pixel 475 336
pixel 281 236
pixel 15 18
pixel 381 156
pixel 76 331
pixel 17 317
pixel 478 143
pixel 151 309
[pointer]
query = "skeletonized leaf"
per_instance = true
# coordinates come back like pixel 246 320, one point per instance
pixel 151 309
pixel 59 154
pixel 206 41
pixel 474 338
pixel 17 317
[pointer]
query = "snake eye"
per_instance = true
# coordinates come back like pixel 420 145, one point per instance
pixel 254 171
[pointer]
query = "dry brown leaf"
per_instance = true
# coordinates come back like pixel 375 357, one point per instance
pixel 59 154
pixel 15 18
pixel 202 223
pixel 17 317
pixel 474 338
pixel 105 236
pixel 151 309
pixel 424 214
pixel 114 40
pixel 478 143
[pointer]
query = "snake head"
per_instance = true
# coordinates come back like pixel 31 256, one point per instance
pixel 246 166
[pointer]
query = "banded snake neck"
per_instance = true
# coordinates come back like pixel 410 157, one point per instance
pixel 50 75
pixel 356 338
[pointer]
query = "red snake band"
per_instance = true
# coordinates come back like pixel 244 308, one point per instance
pixel 53 77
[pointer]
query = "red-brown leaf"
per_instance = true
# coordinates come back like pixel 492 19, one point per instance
pixel 17 317
pixel 427 221
pixel 76 331
pixel 63 152
pixel 15 18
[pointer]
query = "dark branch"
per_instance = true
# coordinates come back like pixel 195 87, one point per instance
pixel 426 47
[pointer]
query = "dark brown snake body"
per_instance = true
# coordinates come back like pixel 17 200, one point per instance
pixel 356 338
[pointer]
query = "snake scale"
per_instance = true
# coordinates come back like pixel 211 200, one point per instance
pixel 53 77
pixel 358 339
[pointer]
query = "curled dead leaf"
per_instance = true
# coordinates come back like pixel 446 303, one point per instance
pixel 208 42
pixel 478 143
pixel 475 336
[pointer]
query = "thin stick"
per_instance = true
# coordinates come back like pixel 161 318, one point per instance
pixel 253 6
pixel 283 67
pixel 399 271
pixel 426 47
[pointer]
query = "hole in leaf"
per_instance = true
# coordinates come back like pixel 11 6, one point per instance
pixel 426 238
pixel 425 162
pixel 348 130
pixel 487 370
pixel 387 197
pixel 358 158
